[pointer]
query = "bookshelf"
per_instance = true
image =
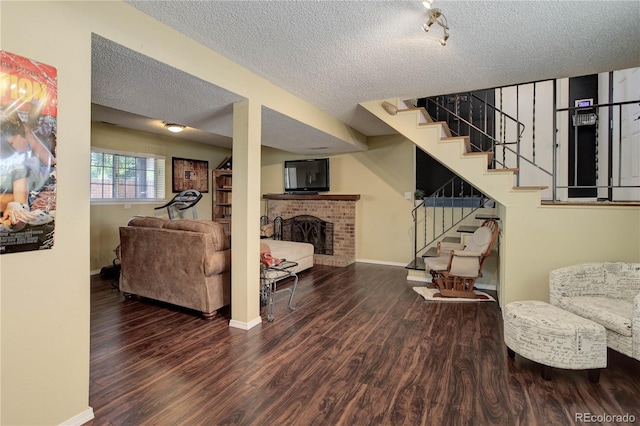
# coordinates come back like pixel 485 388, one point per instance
pixel 222 192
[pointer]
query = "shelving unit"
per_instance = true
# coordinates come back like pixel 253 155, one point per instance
pixel 222 191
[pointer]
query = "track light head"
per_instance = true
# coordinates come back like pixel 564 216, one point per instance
pixel 436 17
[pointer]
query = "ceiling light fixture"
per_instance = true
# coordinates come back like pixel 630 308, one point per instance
pixel 173 127
pixel 436 17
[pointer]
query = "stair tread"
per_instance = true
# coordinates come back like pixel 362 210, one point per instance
pixel 489 153
pixel 432 252
pixel 451 239
pixel 417 264
pixel 444 125
pixel 528 188
pixel 482 216
pixel 465 139
pixel 467 229
pixel 513 170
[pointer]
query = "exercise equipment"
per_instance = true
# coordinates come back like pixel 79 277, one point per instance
pixel 185 200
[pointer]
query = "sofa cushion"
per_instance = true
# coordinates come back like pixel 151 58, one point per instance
pixel 622 280
pixel 612 314
pixel 218 237
pixel 147 221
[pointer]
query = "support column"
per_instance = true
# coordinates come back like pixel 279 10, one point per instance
pixel 245 213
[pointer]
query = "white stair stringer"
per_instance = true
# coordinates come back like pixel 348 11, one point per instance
pixel 450 151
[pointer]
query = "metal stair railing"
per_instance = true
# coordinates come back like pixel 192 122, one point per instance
pixel 443 210
pixel 505 121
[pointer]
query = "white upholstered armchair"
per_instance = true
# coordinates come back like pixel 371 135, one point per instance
pixel 606 293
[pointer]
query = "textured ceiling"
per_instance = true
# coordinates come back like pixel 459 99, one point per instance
pixel 336 54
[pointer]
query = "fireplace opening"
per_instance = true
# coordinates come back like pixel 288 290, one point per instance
pixel 306 229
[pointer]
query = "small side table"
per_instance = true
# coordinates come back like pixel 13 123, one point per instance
pixel 269 277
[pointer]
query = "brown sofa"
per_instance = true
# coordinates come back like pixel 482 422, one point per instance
pixel 184 262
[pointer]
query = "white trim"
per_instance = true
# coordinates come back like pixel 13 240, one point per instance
pixel 80 419
pixel 95 272
pixel 245 325
pixel 422 279
pixel 381 262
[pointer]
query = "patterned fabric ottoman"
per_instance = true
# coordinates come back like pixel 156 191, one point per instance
pixel 554 338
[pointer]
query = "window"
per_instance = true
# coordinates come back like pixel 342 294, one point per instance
pixel 124 176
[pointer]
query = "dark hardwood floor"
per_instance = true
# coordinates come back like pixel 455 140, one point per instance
pixel 363 348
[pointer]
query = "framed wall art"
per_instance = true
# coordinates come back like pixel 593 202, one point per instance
pixel 189 174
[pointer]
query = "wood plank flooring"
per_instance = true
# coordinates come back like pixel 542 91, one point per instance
pixel 362 349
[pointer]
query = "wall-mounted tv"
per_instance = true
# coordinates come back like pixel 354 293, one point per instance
pixel 306 176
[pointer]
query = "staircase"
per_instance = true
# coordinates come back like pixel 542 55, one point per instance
pixel 448 207
pixel 454 151
pixel 535 237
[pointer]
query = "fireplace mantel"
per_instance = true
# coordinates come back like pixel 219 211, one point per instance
pixel 332 197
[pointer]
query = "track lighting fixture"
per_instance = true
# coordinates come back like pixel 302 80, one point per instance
pixel 436 17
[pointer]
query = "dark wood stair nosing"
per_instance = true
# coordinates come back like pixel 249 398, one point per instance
pixel 505 170
pixel 530 188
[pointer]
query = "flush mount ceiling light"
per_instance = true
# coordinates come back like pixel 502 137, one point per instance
pixel 173 127
pixel 436 17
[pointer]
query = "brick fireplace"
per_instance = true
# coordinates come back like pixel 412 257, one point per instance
pixel 337 209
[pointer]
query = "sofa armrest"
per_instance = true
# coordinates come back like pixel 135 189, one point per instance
pixel 217 262
pixel 587 279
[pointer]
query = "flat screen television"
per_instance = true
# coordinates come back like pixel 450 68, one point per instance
pixel 306 176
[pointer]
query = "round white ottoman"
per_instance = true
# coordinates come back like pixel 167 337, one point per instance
pixel 554 337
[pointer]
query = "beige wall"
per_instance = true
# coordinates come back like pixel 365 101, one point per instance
pixel 45 297
pixel 381 175
pixel 536 241
pixel 106 218
pixel 45 294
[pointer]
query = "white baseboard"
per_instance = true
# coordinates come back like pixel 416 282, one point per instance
pixel 381 262
pixel 420 279
pixel 80 419
pixel 245 325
